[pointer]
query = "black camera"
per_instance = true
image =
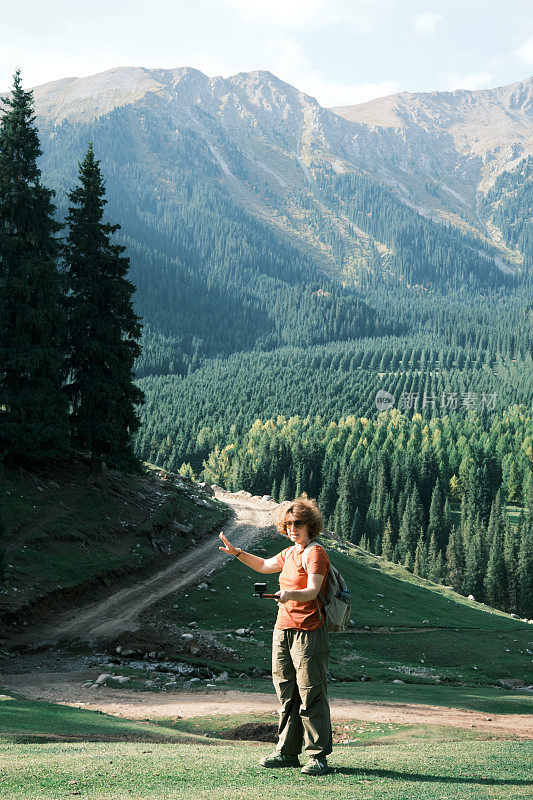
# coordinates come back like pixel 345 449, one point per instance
pixel 260 590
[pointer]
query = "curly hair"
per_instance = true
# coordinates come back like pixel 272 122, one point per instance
pixel 306 509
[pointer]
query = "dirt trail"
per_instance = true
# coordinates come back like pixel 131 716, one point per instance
pixel 121 610
pixel 67 688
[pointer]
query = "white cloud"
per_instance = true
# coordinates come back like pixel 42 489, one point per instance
pixel 350 95
pixel 427 23
pixel 281 12
pixel 525 51
pixel 290 63
pixel 41 66
pixel 362 16
pixel 450 81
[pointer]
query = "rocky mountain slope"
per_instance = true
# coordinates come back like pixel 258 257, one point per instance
pixel 269 144
pixel 447 148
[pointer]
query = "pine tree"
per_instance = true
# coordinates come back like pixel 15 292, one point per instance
pixel 496 577
pixel 387 546
pixel 474 563
pixel 411 525
pixel 455 488
pixel 496 519
pixel 511 549
pixel 447 523
pixel 478 492
pixel 2 525
pixel 408 561
pixel 33 423
pixel 186 471
pixel 438 570
pixel 513 483
pixel 420 566
pixel 2 539
pixel 299 481
pixel 436 517
pixel 104 330
pixel 525 556
pixel 525 570
pixel 343 508
pixel 245 473
pixel 434 560
pixel 328 494
pixel 357 526
pixel 429 472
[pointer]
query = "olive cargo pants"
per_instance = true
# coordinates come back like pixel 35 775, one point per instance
pixel 299 669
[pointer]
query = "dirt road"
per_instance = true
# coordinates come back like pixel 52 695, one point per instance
pixel 120 611
pixel 68 688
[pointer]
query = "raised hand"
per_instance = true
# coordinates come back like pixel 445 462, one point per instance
pixel 228 548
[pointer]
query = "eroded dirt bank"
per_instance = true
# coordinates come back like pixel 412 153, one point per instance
pixel 121 610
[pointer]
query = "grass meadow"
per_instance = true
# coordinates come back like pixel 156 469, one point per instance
pixel 447 650
pixel 48 752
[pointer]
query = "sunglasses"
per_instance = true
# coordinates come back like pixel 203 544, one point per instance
pixel 295 523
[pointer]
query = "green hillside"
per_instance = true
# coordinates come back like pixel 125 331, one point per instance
pixel 65 537
pixel 405 628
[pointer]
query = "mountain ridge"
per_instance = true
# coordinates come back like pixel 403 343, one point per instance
pixel 439 152
pixel 473 94
pixel 272 148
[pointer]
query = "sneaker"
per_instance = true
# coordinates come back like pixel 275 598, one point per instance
pixel 277 759
pixel 316 766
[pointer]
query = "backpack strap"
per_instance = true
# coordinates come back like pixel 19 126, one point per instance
pixel 320 595
pixel 305 554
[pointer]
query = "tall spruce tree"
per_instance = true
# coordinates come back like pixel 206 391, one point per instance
pixel 436 518
pixel 455 559
pixel 104 330
pixel 357 526
pixel 525 567
pixel 387 547
pixel 411 525
pixel 474 570
pixel 33 416
pixel 496 587
pixel 2 530
pixel 420 565
pixel 525 556
pixel 2 547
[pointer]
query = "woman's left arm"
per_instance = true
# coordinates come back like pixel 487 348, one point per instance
pixel 314 584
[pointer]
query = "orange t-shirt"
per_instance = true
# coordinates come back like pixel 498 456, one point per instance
pixel 304 616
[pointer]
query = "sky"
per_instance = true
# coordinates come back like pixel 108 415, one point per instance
pixel 340 51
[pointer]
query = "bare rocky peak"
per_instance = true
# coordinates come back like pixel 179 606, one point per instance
pixel 83 99
pixel 266 90
pixel 257 96
pixel 469 136
pixel 399 110
pixel 478 121
pixel 517 96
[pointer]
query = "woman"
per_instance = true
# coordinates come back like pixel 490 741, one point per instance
pixel 300 648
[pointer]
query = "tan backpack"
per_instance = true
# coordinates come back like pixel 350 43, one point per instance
pixel 336 600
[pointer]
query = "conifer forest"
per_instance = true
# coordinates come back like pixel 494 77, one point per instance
pixel 147 315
